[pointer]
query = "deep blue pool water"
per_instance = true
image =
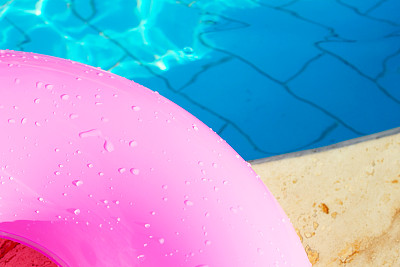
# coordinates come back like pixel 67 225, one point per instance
pixel 269 76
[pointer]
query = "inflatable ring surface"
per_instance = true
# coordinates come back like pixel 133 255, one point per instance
pixel 96 170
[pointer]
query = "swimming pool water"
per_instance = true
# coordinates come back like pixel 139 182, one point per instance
pixel 269 76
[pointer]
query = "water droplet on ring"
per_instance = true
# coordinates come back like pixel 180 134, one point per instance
pixel 64 97
pixel 77 183
pixel 134 171
pixel 188 203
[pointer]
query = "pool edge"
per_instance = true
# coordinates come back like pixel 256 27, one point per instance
pixel 346 143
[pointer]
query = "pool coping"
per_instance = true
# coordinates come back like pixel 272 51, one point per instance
pixel 330 147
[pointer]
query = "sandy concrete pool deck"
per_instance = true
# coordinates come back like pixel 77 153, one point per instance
pixel 343 200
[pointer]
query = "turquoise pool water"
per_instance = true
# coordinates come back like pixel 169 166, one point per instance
pixel 269 76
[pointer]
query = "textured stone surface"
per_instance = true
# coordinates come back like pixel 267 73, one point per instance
pixel 344 203
pixel 15 254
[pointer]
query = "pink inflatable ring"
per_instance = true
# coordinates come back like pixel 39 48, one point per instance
pixel 96 170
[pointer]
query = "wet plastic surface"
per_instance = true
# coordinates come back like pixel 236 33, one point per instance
pixel 96 170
